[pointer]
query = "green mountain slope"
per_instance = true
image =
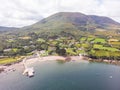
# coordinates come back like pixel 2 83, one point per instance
pixel 7 28
pixel 73 21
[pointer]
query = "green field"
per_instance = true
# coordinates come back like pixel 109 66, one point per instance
pixel 101 47
pixel 90 39
pixel 100 40
pixel 9 60
pixel 83 39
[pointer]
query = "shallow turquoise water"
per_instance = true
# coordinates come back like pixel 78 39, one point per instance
pixel 51 75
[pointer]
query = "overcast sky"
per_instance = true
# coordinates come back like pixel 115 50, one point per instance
pixel 19 13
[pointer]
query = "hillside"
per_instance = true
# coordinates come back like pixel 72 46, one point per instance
pixel 66 34
pixel 7 28
pixel 73 21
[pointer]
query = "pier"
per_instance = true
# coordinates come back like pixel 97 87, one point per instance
pixel 29 71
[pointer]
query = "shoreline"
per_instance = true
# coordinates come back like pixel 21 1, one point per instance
pixel 20 67
pixel 112 62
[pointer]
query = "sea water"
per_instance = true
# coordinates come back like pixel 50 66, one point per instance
pixel 53 75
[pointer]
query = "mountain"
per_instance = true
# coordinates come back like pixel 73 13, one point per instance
pixel 73 21
pixel 7 28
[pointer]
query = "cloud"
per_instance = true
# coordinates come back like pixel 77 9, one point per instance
pixel 111 9
pixel 108 8
pixel 24 12
pixel 20 13
pixel 88 7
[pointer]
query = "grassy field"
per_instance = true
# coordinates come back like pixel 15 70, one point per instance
pixel 101 47
pixel 85 45
pixel 98 46
pixel 90 39
pixel 83 38
pixel 99 40
pixel 115 43
pixel 9 60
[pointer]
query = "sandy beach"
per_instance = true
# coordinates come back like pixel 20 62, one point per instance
pixel 30 61
pixel 20 67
